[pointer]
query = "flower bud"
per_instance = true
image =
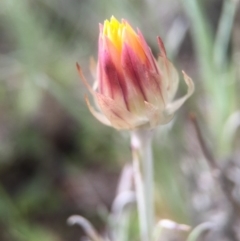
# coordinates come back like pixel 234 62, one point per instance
pixel 133 90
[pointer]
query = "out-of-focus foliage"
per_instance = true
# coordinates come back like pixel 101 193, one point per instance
pixel 56 159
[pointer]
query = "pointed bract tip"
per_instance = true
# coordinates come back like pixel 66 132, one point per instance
pixel 161 47
pixel 83 78
pixel 79 69
pixel 78 66
pixel 185 75
pixel 189 82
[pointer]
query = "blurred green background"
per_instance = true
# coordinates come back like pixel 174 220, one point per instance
pixel 57 160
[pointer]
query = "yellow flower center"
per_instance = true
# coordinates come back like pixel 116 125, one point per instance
pixel 113 30
pixel 120 33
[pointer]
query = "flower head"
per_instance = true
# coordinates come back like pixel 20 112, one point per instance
pixel 132 89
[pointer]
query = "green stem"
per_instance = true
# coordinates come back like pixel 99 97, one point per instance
pixel 200 230
pixel 202 36
pixel 224 32
pixel 141 141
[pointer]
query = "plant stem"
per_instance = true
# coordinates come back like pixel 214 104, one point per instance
pixel 141 141
pixel 223 34
pixel 200 230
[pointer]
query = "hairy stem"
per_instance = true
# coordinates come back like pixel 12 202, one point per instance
pixel 141 141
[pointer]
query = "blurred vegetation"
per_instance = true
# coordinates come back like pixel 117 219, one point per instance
pixel 57 160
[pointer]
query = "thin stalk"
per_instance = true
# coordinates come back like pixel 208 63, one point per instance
pixel 224 32
pixel 140 196
pixel 202 36
pixel 200 230
pixel 141 141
